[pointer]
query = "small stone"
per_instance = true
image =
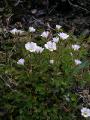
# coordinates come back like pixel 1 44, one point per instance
pixel 34 11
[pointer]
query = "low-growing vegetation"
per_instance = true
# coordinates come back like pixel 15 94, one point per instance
pixel 44 75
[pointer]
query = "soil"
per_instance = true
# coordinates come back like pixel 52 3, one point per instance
pixel 73 20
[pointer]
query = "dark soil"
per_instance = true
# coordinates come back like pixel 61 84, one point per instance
pixel 75 19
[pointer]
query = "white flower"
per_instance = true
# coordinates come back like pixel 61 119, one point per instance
pixel 21 61
pixel 51 61
pixel 13 31
pixel 58 27
pixel 45 34
pixel 77 62
pixel 32 29
pixel 63 35
pixel 39 49
pixel 67 98
pixel 85 112
pixel 75 47
pixel 50 45
pixel 55 39
pixel 71 53
pixel 16 31
pixel 31 46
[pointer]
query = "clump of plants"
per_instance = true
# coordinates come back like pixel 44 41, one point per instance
pixel 40 75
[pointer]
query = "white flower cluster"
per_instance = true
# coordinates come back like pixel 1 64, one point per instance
pixel 50 45
pixel 16 31
pixel 85 112
pixel 76 47
pixel 33 47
